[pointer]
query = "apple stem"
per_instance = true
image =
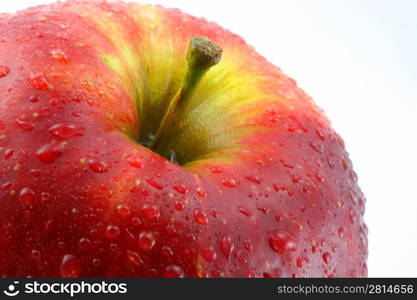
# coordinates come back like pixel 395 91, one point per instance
pixel 202 55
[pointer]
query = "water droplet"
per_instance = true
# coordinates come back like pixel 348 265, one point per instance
pixel 226 245
pixel 174 272
pixel 49 152
pixel 202 193
pixel 66 132
pixel 27 195
pixel 114 247
pixel 319 177
pixel 136 221
pixel 6 186
pixel 244 211
pixel 181 188
pixel 134 257
pixel 33 98
pixel 179 204
pixel 59 55
pixel 352 216
pixel 154 184
pixel 248 245
pixel 230 182
pixel 84 243
pixel 200 217
pixel 35 254
pixel 98 166
pixel 4 71
pixel 209 254
pixel 281 242
pixel 35 172
pixel 112 231
pixel 252 274
pixel 24 125
pixel 146 240
pixel 151 211
pixel 70 268
pixel 123 210
pixel 39 81
pixel 253 178
pixel 326 257
pixel 135 162
pixel 8 153
pixel 45 196
pixel 167 251
pixel 341 232
pixel 279 188
pixel 319 148
pixel 96 262
pixel 320 134
pixel 216 170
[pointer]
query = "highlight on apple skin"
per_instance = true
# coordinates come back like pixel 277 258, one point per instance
pixel 139 141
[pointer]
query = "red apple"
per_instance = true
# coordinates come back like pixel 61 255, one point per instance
pixel 141 141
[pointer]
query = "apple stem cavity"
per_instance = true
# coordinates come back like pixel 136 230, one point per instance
pixel 202 55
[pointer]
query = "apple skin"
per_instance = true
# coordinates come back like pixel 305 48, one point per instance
pixel 264 188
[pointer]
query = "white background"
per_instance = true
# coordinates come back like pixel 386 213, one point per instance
pixel 358 60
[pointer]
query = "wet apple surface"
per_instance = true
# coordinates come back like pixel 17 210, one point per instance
pixel 262 185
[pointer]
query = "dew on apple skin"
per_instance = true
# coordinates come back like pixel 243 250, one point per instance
pixel 216 170
pixel 123 210
pixel 59 55
pixel 146 240
pixel 70 267
pixel 112 231
pixel 27 195
pixel 114 247
pixel 341 232
pixel 45 196
pixel 281 242
pixel 66 132
pixel 136 163
pixel 326 257
pixel 4 71
pixel 179 204
pixel 227 246
pixel 230 183
pixel 200 217
pixel 181 188
pixel 48 153
pixel 134 258
pixel 320 134
pixel 136 222
pixel 39 81
pixel 244 211
pixel 352 216
pixel 151 211
pixel 35 254
pixel 209 254
pixel 248 245
pixel 8 153
pixel 154 184
pixel 253 179
pixel 33 98
pixel 84 243
pixel 96 262
pixel 202 193
pixel 98 166
pixel 167 251
pixel 173 272
pixel 6 186
pixel 35 172
pixel 24 125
